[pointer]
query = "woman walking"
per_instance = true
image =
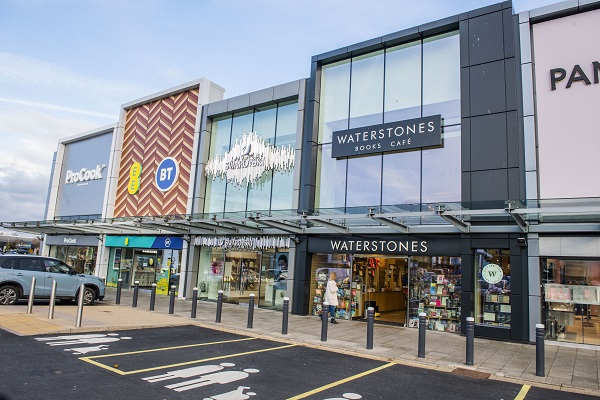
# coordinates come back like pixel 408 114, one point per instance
pixel 331 296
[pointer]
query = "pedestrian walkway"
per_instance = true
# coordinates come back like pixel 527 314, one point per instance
pixel 567 367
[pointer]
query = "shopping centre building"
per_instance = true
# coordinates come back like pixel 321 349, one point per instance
pixel 448 168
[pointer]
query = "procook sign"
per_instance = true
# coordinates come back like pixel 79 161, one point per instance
pixel 392 136
pixel 83 175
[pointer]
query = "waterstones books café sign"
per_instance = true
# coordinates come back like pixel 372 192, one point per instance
pixel 391 136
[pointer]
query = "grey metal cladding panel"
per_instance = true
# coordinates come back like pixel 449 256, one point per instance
pixel 463 30
pixel 507 4
pixel 463 16
pixel 513 143
pixel 365 47
pixel 487 88
pixel 261 96
pixel 488 142
pixel 510 71
pixel 553 11
pixel 516 185
pixel 465 141
pixel 465 99
pixel 403 36
pixel 312 82
pixel 333 55
pixel 239 102
pixel 491 243
pixel 485 10
pixel 510 23
pixel 218 107
pixel 465 178
pixel 287 90
pixel 439 26
pixel 486 38
pixel 491 185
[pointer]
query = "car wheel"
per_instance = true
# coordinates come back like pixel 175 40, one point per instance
pixel 9 295
pixel 89 296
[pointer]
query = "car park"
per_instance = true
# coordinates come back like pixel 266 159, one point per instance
pixel 17 271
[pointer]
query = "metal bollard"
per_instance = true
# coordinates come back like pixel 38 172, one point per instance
pixel 370 324
pixel 52 300
pixel 250 311
pixel 31 293
pixel 136 290
pixel 119 286
pixel 324 321
pixel 194 301
pixel 172 300
pixel 153 297
pixel 470 340
pixel 219 306
pixel 422 330
pixel 80 306
pixel 540 333
pixel 285 316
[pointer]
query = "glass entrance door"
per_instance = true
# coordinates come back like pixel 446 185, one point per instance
pixel 572 300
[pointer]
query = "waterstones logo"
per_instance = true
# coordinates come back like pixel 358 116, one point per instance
pixel 390 246
pixel 393 136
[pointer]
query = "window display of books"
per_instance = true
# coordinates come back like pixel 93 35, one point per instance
pixel 496 309
pixel 437 297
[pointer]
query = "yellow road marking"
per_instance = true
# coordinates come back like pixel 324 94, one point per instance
pixel 523 392
pixel 340 382
pixel 166 348
pixel 88 359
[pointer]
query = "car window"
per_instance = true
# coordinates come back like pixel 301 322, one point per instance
pixel 30 264
pixel 57 267
pixel 9 263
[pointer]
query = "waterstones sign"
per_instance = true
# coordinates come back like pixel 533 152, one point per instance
pixel 404 245
pixel 391 136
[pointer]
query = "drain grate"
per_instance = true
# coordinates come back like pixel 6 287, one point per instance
pixel 470 373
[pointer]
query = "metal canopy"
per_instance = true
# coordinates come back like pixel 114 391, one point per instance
pixel 556 216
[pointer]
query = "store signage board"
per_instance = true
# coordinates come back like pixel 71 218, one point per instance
pixel 249 159
pixel 492 273
pixel 392 136
pixel 405 245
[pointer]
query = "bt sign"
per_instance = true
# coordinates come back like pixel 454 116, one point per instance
pixel 167 174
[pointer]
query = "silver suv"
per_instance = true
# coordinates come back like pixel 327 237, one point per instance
pixel 16 272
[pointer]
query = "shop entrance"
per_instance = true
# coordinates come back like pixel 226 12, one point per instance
pixel 572 300
pixel 397 287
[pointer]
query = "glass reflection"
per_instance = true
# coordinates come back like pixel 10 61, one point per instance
pixel 242 123
pixel 403 82
pixel 401 178
pixel 221 133
pixel 366 94
pixel 441 169
pixel 283 190
pixel 331 180
pixel 215 196
pixel 264 123
pixel 335 98
pixel 364 181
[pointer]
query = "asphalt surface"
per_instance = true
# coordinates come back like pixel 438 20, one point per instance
pixel 190 362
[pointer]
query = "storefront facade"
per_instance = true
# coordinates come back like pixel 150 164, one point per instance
pixel 251 169
pixel 560 93
pixel 407 127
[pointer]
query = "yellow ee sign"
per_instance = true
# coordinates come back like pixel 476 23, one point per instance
pixel 135 172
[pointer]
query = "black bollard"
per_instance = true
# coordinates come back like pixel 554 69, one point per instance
pixel 172 300
pixel 470 340
pixel 250 311
pixel 540 333
pixel 153 297
pixel 324 321
pixel 219 306
pixel 422 330
pixel 194 301
pixel 284 317
pixel 119 285
pixel 136 289
pixel 370 324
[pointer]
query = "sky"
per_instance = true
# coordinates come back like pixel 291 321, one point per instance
pixel 66 66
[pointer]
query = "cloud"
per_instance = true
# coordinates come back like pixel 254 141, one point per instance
pixel 58 108
pixel 23 70
pixel 22 194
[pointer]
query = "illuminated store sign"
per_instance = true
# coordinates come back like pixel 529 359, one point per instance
pixel 84 175
pixel 167 174
pixel 391 136
pixel 248 160
pixel 407 245
pixel 577 75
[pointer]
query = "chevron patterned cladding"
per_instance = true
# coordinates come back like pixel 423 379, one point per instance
pixel 153 131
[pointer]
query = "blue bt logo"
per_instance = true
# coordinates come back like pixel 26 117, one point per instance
pixel 166 174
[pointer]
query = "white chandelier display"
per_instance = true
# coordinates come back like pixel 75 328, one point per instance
pixel 248 159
